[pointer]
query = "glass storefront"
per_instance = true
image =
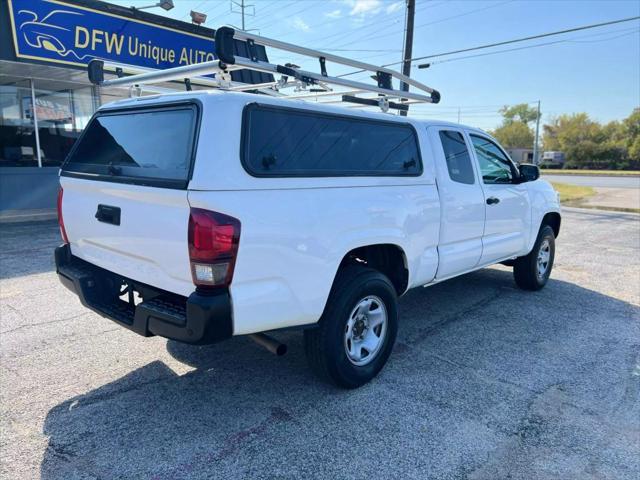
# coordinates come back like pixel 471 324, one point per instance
pixel 46 98
pixel 17 131
pixel 28 107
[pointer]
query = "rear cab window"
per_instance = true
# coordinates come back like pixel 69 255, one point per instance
pixel 147 146
pixel 289 142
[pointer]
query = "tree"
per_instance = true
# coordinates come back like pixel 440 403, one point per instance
pixel 515 131
pixel 522 113
pixel 631 132
pixel 634 153
pixel 588 144
pixel 514 135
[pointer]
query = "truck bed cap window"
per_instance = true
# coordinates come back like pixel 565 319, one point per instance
pixel 284 142
pixel 144 146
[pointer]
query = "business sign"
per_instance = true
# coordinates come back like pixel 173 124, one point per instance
pixel 61 32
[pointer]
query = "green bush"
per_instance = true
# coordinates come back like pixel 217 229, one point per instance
pixel 589 145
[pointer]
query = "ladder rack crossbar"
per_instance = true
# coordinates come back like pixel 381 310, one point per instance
pixel 265 67
pixel 240 35
pixel 217 74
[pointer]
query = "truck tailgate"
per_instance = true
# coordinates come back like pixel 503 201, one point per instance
pixel 149 244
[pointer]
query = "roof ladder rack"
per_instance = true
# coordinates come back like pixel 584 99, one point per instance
pixel 306 84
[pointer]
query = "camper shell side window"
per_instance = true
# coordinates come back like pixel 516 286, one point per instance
pixel 291 142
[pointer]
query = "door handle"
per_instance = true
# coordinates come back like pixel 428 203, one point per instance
pixel 492 200
pixel 108 214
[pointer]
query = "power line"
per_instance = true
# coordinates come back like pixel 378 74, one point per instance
pixel 357 30
pixel 224 12
pixel 469 12
pixel 464 14
pixel 391 20
pixel 214 7
pixel 532 46
pixel 391 50
pixel 332 21
pixel 289 15
pixel 532 37
pixel 506 42
pixel 629 31
pixel 264 6
pixel 285 57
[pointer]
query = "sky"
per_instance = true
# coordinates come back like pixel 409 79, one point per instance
pixel 595 71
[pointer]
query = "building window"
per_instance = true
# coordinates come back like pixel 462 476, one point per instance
pixel 61 116
pixel 17 132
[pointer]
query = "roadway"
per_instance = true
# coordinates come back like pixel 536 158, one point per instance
pixel 605 181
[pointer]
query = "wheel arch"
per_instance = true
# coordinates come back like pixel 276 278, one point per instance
pixel 552 219
pixel 387 258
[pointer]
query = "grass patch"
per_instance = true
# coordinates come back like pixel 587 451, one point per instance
pixel 616 173
pixel 572 193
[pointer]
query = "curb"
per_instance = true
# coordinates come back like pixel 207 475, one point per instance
pixel 600 210
pixel 605 175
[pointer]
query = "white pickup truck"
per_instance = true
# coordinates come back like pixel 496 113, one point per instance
pixel 199 216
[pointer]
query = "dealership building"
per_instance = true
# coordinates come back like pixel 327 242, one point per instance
pixel 46 98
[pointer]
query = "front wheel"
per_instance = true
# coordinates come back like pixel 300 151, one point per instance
pixel 532 271
pixel 357 330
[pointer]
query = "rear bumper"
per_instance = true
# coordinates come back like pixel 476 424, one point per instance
pixel 200 318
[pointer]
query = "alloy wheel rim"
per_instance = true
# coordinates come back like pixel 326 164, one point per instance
pixel 544 257
pixel 365 330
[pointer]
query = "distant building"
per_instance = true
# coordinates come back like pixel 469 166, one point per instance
pixel 521 155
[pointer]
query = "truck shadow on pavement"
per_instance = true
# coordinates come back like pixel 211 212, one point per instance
pixel 484 378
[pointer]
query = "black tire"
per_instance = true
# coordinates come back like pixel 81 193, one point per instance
pixel 525 269
pixel 325 344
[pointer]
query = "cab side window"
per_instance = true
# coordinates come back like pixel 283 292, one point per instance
pixel 494 164
pixel 457 157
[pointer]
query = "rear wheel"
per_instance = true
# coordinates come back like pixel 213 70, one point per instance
pixel 532 271
pixel 357 330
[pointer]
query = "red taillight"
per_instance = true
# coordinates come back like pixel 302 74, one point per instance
pixel 63 232
pixel 213 246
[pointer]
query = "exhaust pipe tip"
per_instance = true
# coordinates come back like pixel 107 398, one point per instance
pixel 269 343
pixel 281 350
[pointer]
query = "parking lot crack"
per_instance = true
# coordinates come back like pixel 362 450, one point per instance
pixel 486 378
pixel 48 322
pixel 424 333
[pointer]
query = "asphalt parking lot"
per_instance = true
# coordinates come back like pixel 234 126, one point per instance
pixel 486 381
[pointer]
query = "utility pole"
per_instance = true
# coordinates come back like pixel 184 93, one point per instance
pixel 241 5
pixel 458 114
pixel 408 46
pixel 535 142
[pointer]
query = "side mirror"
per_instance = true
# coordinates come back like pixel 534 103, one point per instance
pixel 529 172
